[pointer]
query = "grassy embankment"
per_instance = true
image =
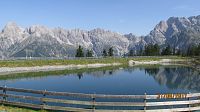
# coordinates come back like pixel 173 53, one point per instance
pixel 196 63
pixel 197 60
pixel 18 109
pixel 29 63
pixel 124 61
pixel 53 73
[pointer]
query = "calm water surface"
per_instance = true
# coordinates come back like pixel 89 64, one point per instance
pixel 135 80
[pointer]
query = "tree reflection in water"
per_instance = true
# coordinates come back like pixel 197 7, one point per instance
pixel 80 75
pixel 174 77
pixel 97 73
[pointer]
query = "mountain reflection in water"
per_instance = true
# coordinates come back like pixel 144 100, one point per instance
pixel 131 80
pixel 177 77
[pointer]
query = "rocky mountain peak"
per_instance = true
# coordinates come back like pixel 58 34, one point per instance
pixel 195 20
pixel 131 37
pixel 44 41
pixel 178 24
pixel 12 28
pixel 11 34
pixel 11 25
pixel 38 29
pixel 161 27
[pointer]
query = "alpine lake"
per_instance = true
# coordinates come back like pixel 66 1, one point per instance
pixel 137 80
pixel 154 79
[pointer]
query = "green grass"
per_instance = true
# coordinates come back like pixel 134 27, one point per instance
pixel 60 72
pixel 29 63
pixel 18 109
pixel 197 60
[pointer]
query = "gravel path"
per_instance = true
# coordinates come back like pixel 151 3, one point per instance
pixel 9 70
pixel 162 62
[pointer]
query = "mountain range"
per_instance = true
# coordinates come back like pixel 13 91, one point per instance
pixel 41 41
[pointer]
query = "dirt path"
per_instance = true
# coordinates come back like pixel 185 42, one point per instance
pixel 9 70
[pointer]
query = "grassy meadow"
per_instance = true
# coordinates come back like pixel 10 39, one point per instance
pixel 30 63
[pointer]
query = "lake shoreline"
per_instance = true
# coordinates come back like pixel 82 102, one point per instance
pixel 56 65
pixel 159 62
pixel 11 70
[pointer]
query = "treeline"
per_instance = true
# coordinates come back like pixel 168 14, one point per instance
pixel 148 50
pixel 152 50
pixel 89 53
pixel 193 50
pixel 155 50
pixel 80 52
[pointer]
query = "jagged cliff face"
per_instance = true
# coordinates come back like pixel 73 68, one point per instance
pixel 135 43
pixel 177 32
pixel 102 39
pixel 40 41
pixel 10 35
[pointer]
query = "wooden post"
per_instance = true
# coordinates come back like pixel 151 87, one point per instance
pixel 145 101
pixel 93 100
pixel 43 102
pixel 4 92
pixel 189 102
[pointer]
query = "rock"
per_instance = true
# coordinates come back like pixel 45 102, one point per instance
pixel 41 41
pixel 131 63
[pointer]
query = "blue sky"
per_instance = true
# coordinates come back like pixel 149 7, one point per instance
pixel 123 16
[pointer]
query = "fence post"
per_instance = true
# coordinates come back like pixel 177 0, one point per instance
pixel 145 101
pixel 189 103
pixel 43 102
pixel 93 102
pixel 4 93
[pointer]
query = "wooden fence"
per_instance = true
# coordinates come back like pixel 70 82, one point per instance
pixel 169 102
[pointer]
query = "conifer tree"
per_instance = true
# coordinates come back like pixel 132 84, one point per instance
pixel 104 53
pixel 79 52
pixel 110 51
pixel 89 53
pixel 131 52
pixel 167 51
